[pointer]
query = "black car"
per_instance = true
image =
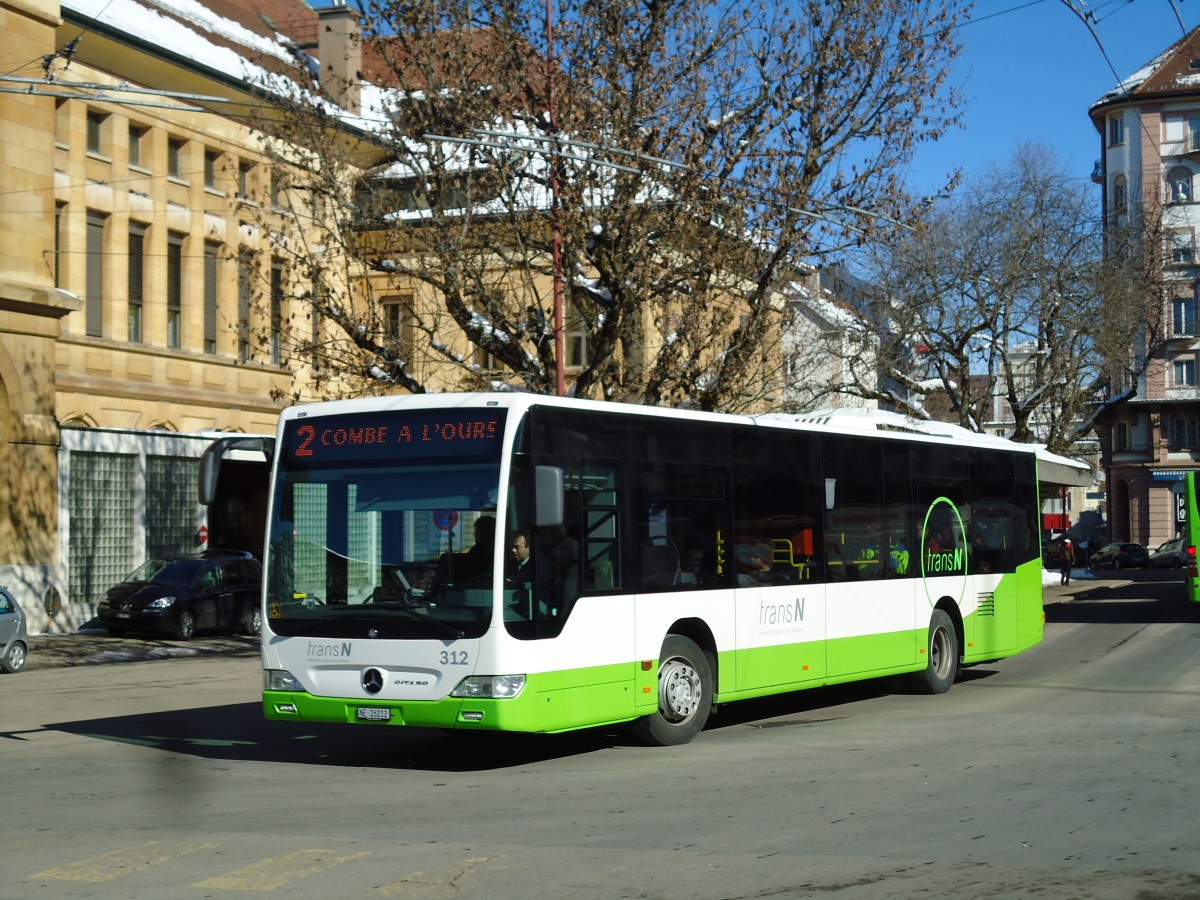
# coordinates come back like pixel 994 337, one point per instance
pixel 1120 556
pixel 177 595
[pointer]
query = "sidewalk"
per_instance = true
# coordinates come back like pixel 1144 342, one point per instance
pixel 94 646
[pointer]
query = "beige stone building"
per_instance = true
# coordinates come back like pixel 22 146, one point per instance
pixel 132 255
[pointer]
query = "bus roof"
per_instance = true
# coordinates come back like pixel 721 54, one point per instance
pixel 844 421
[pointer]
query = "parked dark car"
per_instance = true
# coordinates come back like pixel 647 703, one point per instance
pixel 1172 555
pixel 1120 556
pixel 178 595
pixel 14 636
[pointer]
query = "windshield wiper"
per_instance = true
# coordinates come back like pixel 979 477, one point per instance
pixel 419 617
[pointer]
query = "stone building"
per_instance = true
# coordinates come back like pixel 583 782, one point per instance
pixel 127 259
pixel 1149 431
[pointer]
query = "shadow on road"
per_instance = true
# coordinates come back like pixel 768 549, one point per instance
pixel 1154 596
pixel 239 732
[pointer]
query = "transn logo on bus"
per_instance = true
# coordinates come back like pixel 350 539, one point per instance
pixel 329 650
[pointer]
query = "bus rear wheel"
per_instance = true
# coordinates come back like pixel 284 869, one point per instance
pixel 685 692
pixel 942 652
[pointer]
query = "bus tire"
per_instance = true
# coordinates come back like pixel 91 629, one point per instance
pixel 685 693
pixel 942 657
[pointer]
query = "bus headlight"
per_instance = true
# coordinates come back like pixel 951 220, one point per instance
pixel 280 680
pixel 496 687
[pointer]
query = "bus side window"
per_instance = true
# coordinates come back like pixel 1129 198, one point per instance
pixel 681 518
pixel 777 509
pixel 855 541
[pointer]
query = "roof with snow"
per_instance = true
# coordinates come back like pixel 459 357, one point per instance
pixel 1174 70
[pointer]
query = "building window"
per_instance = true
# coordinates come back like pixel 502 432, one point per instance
pixel 137 279
pixel 137 135
pixel 211 160
pixel 276 337
pixel 1185 372
pixel 245 292
pixel 1183 434
pixel 212 251
pixel 243 183
pixel 1183 247
pixel 60 212
pixel 174 157
pixel 1121 436
pixel 174 290
pixel 575 339
pixel 1183 316
pixel 94 303
pixel 1120 193
pixel 1116 130
pixel 490 309
pixel 1179 181
pixel 95 125
pixel 398 325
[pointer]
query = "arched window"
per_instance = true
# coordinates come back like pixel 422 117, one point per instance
pixel 1179 180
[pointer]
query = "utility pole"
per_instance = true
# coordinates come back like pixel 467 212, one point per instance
pixel 555 224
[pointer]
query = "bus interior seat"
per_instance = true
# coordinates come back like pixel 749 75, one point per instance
pixel 660 563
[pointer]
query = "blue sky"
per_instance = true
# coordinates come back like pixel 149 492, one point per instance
pixel 1030 69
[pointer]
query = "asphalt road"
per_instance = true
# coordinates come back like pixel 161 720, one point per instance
pixel 1069 771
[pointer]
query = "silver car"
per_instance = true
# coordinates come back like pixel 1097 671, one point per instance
pixel 14 638
pixel 1172 554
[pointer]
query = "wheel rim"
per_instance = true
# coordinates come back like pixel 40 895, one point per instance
pixel 940 652
pixel 187 625
pixel 16 657
pixel 255 623
pixel 679 691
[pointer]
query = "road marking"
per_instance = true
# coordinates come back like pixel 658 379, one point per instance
pixel 271 874
pixel 419 884
pixel 119 863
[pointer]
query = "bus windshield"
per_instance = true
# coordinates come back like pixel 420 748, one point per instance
pixel 384 526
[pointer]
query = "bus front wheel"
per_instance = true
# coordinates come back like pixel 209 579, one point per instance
pixel 685 692
pixel 942 652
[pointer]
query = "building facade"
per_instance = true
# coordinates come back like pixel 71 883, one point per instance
pixel 1149 171
pixel 137 318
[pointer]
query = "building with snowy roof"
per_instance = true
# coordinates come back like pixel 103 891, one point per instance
pixel 1149 428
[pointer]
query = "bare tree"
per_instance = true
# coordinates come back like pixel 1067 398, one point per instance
pixel 1003 299
pixel 675 163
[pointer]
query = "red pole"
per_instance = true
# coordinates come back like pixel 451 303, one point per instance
pixel 559 378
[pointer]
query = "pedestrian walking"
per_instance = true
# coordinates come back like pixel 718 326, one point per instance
pixel 1066 560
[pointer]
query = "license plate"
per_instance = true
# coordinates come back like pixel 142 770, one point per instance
pixel 374 714
pixel 123 615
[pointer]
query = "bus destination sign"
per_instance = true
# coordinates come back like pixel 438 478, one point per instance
pixel 385 435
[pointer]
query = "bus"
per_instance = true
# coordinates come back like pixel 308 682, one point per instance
pixel 1191 536
pixel 515 562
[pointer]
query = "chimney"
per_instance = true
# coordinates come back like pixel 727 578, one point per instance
pixel 340 52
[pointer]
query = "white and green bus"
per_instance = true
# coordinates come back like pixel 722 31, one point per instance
pixel 668 560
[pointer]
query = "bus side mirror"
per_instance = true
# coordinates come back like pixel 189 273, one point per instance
pixel 548 487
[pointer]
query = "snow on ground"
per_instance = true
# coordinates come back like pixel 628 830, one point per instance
pixel 1053 576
